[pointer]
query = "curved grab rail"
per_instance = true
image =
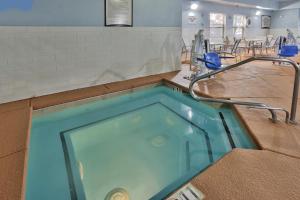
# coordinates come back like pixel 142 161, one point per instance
pixel 292 116
pixel 253 105
pixel 274 118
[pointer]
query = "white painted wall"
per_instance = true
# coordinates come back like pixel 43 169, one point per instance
pixel 276 32
pixel 283 19
pixel 36 61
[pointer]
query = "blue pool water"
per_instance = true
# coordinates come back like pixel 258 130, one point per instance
pixel 140 145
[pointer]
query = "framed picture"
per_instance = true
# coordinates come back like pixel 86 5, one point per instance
pixel 118 12
pixel 265 21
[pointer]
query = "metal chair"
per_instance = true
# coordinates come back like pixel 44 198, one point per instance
pixel 254 45
pixel 231 53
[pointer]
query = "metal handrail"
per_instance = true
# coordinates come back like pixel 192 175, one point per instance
pixel 292 116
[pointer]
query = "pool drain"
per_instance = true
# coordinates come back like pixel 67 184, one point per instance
pixel 158 141
pixel 117 194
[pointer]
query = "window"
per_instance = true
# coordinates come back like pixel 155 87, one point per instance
pixel 239 25
pixel 217 22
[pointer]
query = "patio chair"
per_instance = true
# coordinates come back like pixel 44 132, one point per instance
pixel 231 52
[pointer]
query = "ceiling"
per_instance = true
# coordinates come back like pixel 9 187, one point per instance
pixel 289 4
pixel 260 4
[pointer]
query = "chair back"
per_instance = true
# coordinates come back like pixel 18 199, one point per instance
pixel 235 46
pixel 206 45
pixel 281 41
pixel 269 38
pixel 272 43
pixel 213 61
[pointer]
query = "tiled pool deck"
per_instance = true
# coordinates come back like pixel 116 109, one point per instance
pixel 270 173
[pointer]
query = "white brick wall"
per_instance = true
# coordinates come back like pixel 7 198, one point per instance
pixel 36 61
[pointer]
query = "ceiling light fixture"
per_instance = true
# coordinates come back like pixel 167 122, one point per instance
pixel 194 6
pixel 263 8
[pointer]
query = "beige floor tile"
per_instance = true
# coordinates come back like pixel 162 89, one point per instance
pixel 14 130
pixel 250 174
pixel 12 176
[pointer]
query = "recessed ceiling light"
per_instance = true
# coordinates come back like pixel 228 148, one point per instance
pixel 194 6
pixel 263 8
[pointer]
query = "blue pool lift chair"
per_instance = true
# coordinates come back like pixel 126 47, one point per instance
pixel 212 60
pixel 287 51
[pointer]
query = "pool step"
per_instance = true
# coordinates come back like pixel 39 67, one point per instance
pixel 187 192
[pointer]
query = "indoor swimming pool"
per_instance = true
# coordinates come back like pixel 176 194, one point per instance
pixel 141 144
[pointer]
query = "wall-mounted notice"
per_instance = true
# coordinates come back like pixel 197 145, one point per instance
pixel 118 12
pixel 265 21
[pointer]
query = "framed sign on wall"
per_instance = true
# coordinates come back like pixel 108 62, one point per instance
pixel 265 21
pixel 118 12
